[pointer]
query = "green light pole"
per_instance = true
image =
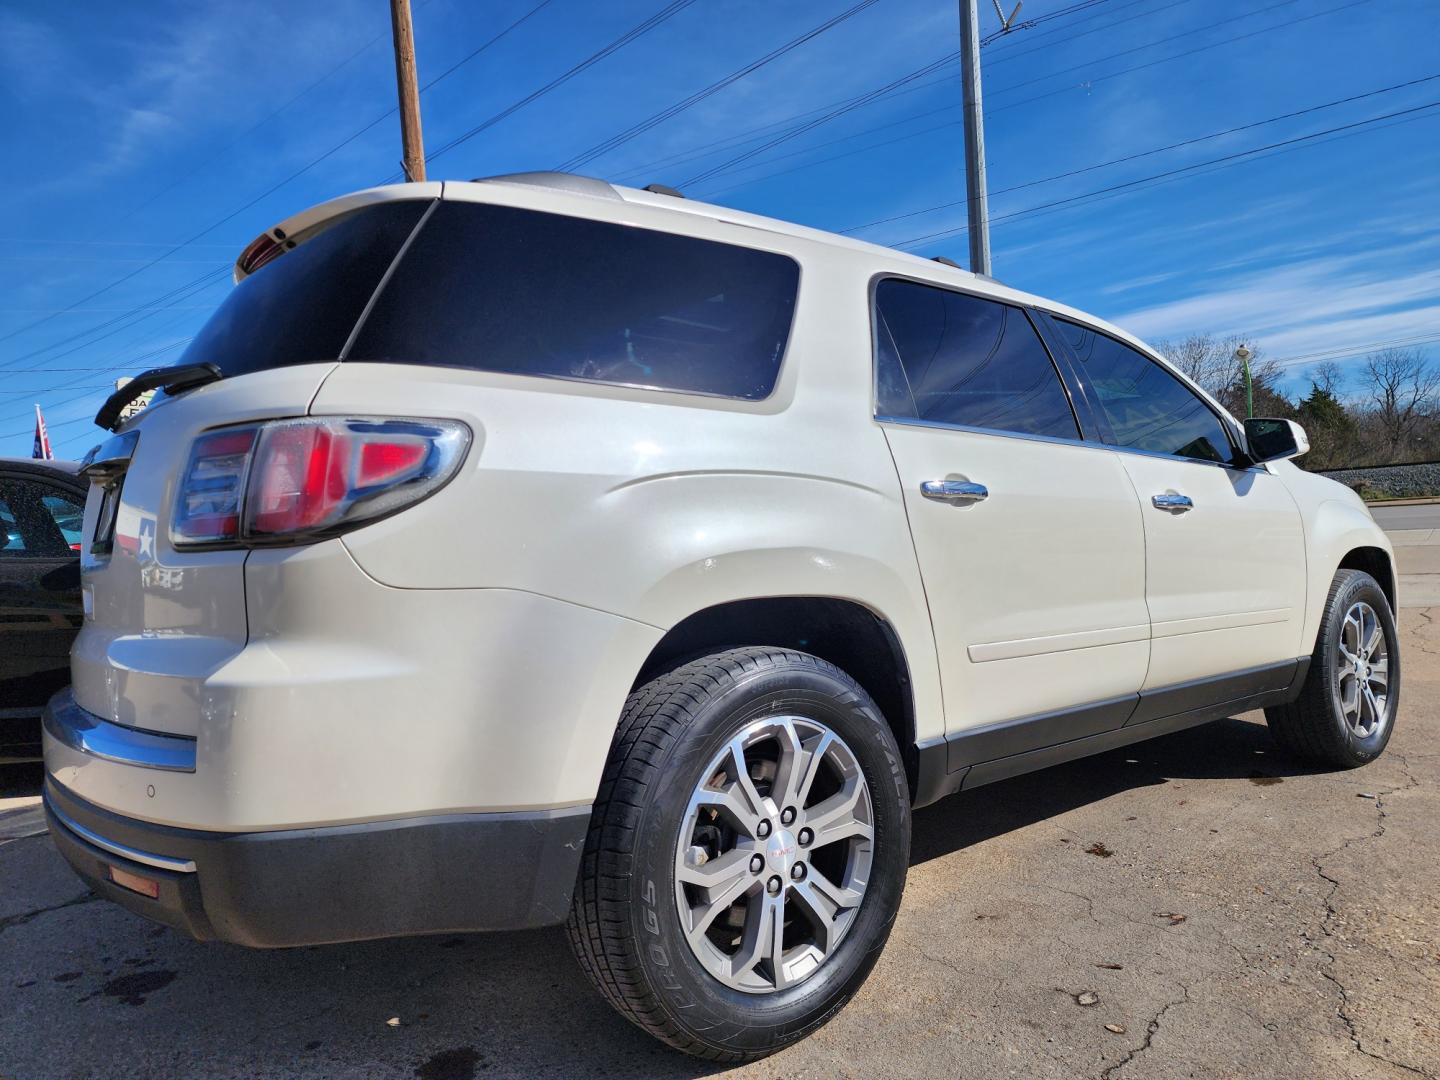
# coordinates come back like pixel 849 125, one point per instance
pixel 1243 354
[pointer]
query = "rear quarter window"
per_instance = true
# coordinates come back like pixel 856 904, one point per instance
pixel 301 308
pixel 495 288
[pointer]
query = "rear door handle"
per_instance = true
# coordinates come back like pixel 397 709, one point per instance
pixel 1172 501
pixel 957 491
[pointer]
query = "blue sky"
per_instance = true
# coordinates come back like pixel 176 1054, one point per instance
pixel 133 129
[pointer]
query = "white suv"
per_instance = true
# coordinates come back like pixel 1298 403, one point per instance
pixel 529 550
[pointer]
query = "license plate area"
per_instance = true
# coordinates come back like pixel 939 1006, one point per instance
pixel 106 466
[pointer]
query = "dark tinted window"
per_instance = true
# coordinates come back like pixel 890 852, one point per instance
pixel 302 307
pixel 957 359
pixel 1148 408
pixel 30 520
pixel 500 289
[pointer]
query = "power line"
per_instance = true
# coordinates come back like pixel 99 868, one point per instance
pixel 1040 20
pixel 635 130
pixel 1184 169
pixel 174 296
pixel 271 190
pixel 874 95
pixel 667 12
pixel 704 149
pixel 1142 154
pixel 824 118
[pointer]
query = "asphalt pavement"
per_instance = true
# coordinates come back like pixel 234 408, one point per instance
pixel 1410 517
pixel 1228 910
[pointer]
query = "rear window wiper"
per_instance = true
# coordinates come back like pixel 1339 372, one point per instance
pixel 172 380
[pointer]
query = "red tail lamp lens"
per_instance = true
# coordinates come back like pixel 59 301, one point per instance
pixel 307 479
pixel 384 461
pixel 209 503
pixel 299 478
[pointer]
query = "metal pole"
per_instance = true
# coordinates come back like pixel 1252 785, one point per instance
pixel 979 215
pixel 410 138
pixel 1243 354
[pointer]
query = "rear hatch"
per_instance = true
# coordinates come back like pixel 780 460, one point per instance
pixel 160 620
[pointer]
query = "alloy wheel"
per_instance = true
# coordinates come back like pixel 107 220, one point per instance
pixel 1362 671
pixel 774 854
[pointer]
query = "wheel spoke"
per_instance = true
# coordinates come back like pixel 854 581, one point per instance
pixel 1380 672
pixel 790 768
pixel 775 941
pixel 755 939
pixel 1350 695
pixel 1374 636
pixel 1373 708
pixel 716 903
pixel 717 873
pixel 836 819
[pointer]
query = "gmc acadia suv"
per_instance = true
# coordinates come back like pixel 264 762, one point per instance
pixel 532 550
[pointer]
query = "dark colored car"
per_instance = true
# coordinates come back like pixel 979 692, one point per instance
pixel 42 504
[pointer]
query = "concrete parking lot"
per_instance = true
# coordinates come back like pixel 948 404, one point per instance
pixel 1228 910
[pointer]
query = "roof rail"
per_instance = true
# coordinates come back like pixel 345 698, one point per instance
pixel 559 181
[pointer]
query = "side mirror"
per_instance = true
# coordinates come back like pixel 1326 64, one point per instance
pixel 1274 440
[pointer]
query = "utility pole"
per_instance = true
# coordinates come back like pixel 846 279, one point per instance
pixel 410 138
pixel 976 199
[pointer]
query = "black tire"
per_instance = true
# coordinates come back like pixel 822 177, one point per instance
pixel 624 925
pixel 1313 726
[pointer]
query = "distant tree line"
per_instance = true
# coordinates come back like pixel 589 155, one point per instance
pixel 1385 411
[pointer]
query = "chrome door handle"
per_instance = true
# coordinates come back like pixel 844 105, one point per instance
pixel 1171 501
pixel 954 491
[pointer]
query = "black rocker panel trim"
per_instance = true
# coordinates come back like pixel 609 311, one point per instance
pixel 968 759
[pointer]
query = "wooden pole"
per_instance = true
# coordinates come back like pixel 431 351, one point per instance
pixel 410 137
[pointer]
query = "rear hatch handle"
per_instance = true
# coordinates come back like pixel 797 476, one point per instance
pixel 170 379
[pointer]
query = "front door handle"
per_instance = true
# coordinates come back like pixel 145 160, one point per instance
pixel 1172 501
pixel 957 491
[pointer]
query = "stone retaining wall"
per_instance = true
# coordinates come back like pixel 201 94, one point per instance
pixel 1391 481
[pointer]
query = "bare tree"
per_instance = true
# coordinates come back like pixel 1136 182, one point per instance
pixel 1210 361
pixel 1328 376
pixel 1402 387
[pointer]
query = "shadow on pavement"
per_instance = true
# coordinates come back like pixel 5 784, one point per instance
pixel 1226 750
pixel 467 1005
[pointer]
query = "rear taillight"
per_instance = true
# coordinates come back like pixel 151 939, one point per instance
pixel 289 481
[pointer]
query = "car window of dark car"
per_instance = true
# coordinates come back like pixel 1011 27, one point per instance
pixel 68 514
pixel 12 540
pixel 30 526
pixel 1148 408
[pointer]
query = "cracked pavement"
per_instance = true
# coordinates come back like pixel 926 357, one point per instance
pixel 1234 911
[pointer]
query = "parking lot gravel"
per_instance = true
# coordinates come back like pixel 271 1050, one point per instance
pixel 1200 905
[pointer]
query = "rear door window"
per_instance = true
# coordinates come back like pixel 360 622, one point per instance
pixel 301 308
pixel 494 288
pixel 951 358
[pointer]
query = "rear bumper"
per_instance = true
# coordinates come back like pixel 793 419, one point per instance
pixel 425 875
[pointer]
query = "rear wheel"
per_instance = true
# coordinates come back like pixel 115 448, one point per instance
pixel 747 853
pixel 1346 709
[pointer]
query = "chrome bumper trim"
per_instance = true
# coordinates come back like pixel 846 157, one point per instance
pixel 71 725
pixel 160 862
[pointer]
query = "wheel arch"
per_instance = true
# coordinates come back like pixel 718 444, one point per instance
pixel 858 640
pixel 1374 561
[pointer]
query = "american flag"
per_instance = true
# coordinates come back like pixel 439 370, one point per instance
pixel 42 438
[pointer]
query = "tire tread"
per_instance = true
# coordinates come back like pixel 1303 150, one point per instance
pixel 655 717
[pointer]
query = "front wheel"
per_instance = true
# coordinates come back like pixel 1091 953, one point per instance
pixel 1346 708
pixel 746 855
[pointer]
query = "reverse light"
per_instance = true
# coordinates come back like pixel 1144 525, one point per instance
pixel 292 481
